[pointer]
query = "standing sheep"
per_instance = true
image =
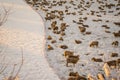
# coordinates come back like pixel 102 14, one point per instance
pixel 115 43
pixel 94 43
pixel 72 59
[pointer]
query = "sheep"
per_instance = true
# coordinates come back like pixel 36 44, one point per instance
pixel 68 53
pixel 74 21
pixel 112 63
pixel 50 47
pixel 114 55
pixel 50 16
pixel 54 23
pixel 60 13
pixel 97 59
pixel 49 37
pixel 76 76
pixel 107 31
pixel 62 33
pixel 55 28
pixel 117 23
pixel 61 18
pixel 86 25
pixel 63 46
pixel 94 43
pixel 61 39
pixel 106 26
pixel 116 34
pixel 73 74
pixel 53 41
pixel 78 41
pixel 82 29
pixel 63 26
pixel 72 59
pixel 115 43
pixel 47 18
pixel 88 33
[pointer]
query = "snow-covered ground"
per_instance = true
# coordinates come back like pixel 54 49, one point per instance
pixel 23 29
pixel 99 19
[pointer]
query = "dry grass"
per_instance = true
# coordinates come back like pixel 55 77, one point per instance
pixel 4 13
pixel 4 67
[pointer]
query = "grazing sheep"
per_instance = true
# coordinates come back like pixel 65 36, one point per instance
pixel 106 26
pixel 63 46
pixel 61 18
pixel 62 33
pixel 114 55
pixel 47 18
pixel 49 37
pixel 88 33
pixel 115 43
pixel 74 21
pixel 112 63
pixel 68 53
pixel 86 25
pixel 76 76
pixel 107 31
pixel 50 47
pixel 63 26
pixel 78 41
pixel 72 59
pixel 117 23
pixel 73 74
pixel 56 31
pixel 54 23
pixel 116 34
pixel 55 28
pixel 60 13
pixel 85 18
pixel 66 10
pixel 61 39
pixel 94 43
pixel 82 29
pixel 97 59
pixel 53 41
pixel 50 16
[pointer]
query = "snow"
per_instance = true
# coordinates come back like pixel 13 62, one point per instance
pixel 56 58
pixel 24 29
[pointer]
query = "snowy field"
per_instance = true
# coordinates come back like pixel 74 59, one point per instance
pixel 74 25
